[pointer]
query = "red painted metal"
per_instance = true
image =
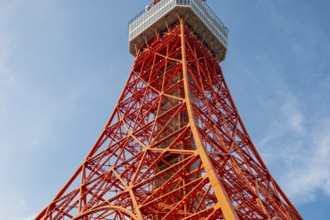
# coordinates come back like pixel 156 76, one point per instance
pixel 146 163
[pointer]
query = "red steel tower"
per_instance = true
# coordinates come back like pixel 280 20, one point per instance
pixel 175 146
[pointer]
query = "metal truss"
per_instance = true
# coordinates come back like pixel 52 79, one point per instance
pixel 174 147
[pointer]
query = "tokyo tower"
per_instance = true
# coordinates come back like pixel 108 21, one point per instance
pixel 174 146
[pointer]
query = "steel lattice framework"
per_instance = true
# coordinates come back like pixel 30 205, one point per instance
pixel 174 147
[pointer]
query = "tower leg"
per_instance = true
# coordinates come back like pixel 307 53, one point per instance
pixel 224 202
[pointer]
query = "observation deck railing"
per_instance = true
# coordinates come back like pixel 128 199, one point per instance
pixel 148 17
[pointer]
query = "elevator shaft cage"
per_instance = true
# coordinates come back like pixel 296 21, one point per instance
pixel 202 20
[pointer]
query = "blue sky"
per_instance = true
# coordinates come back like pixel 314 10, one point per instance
pixel 64 63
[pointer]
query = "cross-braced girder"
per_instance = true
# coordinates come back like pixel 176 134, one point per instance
pixel 173 148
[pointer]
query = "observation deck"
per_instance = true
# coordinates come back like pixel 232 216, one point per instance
pixel 199 16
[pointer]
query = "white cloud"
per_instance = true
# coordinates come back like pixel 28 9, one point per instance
pixel 293 115
pixel 310 173
pixel 302 149
pixel 296 146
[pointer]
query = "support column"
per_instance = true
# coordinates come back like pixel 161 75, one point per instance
pixel 223 200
